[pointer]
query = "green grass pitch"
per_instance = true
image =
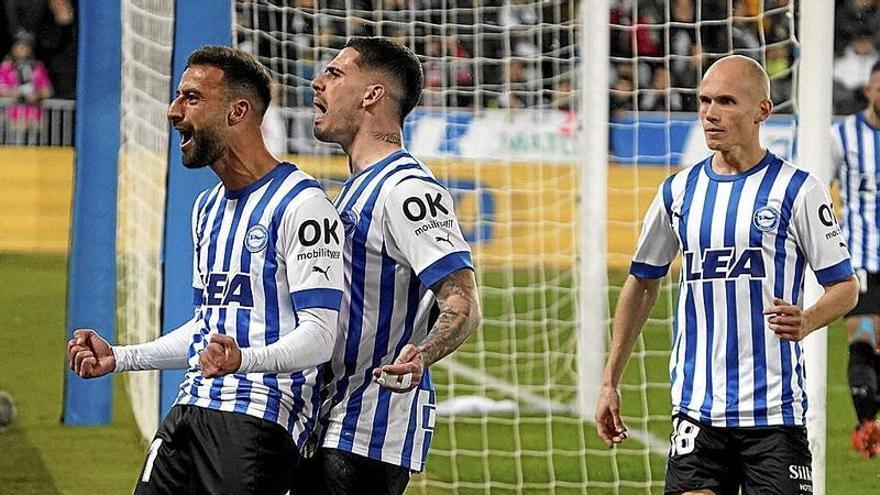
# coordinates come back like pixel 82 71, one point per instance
pixel 41 456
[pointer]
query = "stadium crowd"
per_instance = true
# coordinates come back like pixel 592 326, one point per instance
pixel 38 43
pixel 499 53
pixel 519 53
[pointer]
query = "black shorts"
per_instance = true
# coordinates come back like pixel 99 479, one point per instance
pixel 869 294
pixel 760 460
pixel 337 472
pixel 203 451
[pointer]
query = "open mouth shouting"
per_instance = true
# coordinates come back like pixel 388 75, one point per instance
pixel 320 109
pixel 186 136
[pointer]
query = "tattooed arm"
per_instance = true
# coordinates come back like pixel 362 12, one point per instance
pixel 459 316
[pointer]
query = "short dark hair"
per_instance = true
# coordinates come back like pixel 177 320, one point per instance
pixel 876 67
pixel 397 61
pixel 242 72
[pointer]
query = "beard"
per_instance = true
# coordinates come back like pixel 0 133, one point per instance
pixel 207 147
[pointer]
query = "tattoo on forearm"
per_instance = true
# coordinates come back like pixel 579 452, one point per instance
pixel 390 137
pixel 459 317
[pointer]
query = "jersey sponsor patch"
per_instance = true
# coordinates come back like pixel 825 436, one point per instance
pixel 434 224
pixel 417 208
pixel 312 231
pixel 724 264
pixel 226 289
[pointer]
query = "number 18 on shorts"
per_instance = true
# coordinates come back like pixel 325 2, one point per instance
pixel 771 459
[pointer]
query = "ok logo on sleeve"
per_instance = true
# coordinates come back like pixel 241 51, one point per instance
pixel 311 231
pixel 416 208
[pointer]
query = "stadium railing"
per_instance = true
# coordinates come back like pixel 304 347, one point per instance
pixel 54 128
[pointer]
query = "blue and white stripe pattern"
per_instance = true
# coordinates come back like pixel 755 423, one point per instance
pixel 856 146
pixel 251 275
pixel 402 237
pixel 745 239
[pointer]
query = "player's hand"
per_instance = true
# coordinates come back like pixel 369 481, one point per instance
pixel 609 426
pixel 88 355
pixel 406 372
pixel 786 320
pixel 221 357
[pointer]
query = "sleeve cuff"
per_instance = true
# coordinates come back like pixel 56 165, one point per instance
pixel 317 298
pixel 445 266
pixel 644 270
pixel 247 360
pixel 835 273
pixel 121 357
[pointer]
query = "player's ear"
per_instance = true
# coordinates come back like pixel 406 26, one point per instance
pixel 239 111
pixel 765 108
pixel 373 95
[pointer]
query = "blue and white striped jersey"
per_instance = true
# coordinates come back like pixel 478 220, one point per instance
pixel 856 147
pixel 744 239
pixel 402 237
pixel 262 254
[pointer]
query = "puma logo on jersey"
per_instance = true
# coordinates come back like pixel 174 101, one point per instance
pixel 318 269
pixel 443 239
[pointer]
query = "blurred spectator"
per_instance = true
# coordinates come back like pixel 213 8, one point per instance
pixel 746 30
pixel 25 80
pixel 852 18
pixel 778 21
pixel 661 96
pixel 779 70
pixel 461 70
pixel 516 13
pixel 563 96
pixel 51 22
pixel 434 74
pixel 520 84
pixel 682 37
pixel 636 34
pixel 851 72
pixel 622 91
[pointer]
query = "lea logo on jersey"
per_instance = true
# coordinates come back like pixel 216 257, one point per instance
pixel 724 264
pixel 226 289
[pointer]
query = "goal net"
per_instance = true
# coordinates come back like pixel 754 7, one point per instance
pixel 501 124
pixel 147 36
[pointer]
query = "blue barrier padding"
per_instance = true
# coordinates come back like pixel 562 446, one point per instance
pixel 196 23
pixel 91 279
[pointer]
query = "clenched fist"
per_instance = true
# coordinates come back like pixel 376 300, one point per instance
pixel 221 357
pixel 88 355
